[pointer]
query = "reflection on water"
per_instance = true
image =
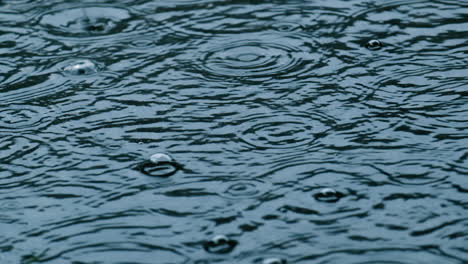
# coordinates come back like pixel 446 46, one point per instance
pixel 233 132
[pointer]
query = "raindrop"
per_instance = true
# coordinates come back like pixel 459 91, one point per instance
pixel 220 244
pixel 328 195
pixel 81 67
pixel 274 261
pixel 159 165
pixel 374 44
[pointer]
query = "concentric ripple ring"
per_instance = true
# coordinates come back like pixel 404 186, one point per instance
pixel 283 131
pixel 86 21
pixel 255 58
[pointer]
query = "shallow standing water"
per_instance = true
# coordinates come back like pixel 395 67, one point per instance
pixel 299 132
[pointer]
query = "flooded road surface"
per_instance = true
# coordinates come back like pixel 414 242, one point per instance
pixel 141 132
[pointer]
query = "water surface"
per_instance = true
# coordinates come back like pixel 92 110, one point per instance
pixel 291 136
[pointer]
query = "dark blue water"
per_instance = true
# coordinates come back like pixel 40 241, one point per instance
pixel 286 131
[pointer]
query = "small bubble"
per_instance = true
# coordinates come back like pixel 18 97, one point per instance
pixel 81 67
pixel 220 244
pixel 274 261
pixel 159 165
pixel 374 44
pixel 328 195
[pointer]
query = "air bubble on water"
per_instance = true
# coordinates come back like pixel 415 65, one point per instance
pixel 274 261
pixel 160 157
pixel 220 244
pixel 81 67
pixel 374 44
pixel 159 165
pixel 328 195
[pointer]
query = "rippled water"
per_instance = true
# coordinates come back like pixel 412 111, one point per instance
pixel 284 132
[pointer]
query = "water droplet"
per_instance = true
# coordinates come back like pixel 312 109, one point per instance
pixel 159 165
pixel 328 195
pixel 81 67
pixel 220 244
pixel 274 261
pixel 374 44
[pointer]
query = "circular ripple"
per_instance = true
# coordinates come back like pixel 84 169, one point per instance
pixel 85 21
pixel 202 18
pixel 243 189
pixel 264 56
pixel 283 131
pixel 10 206
pixel 416 172
pixel 18 117
pixel 394 19
pixel 287 27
